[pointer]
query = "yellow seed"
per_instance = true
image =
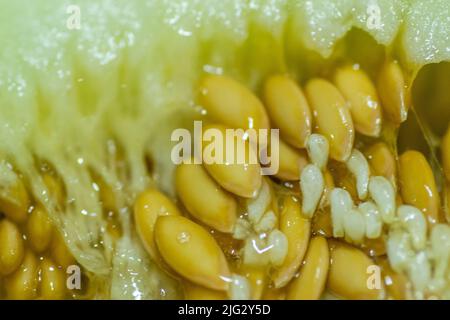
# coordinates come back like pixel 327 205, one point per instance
pixel 39 229
pixel 359 90
pixel 291 162
pixel 55 188
pixel 230 103
pixel 59 251
pixel 310 283
pixel 11 247
pixel 53 281
pixel 149 205
pixel 14 201
pixel 204 198
pixel 257 278
pixel 241 174
pixel 392 92
pixel 382 161
pixel 349 274
pixel 106 194
pixel 417 184
pixel 288 109
pixel 332 116
pixel 22 284
pixel 196 292
pixel 445 148
pixel 297 230
pixel 192 252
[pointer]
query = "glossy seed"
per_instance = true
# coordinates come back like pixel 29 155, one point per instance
pixel 257 278
pixel 233 164
pixel 192 252
pixel 39 229
pixel 419 190
pixel 383 194
pixel 195 292
pixel 230 103
pixel 53 281
pixel 414 222
pixel 440 248
pixel 149 205
pixel 291 162
pixel 349 274
pixel 267 223
pixel 297 231
pixel 312 185
pixel 59 251
pixel 258 206
pixel 372 218
pixel 256 252
pixel 14 201
pixel 310 283
pixel 204 198
pixel 341 203
pixel 359 90
pixel 332 117
pixel 355 225
pixel 359 167
pixel 278 244
pixel 55 189
pixel 392 92
pixel 239 288
pixel 318 150
pixel 419 271
pixel 288 109
pixel 11 247
pixel 399 249
pixel 382 161
pixel 22 284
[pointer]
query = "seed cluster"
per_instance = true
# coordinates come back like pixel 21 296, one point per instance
pixel 329 215
pixel 33 254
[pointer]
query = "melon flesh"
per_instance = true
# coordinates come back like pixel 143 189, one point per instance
pixel 128 75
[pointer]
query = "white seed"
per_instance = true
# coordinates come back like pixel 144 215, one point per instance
pixel 341 203
pixel 372 218
pixel 440 249
pixel 414 222
pixel 267 222
pixel 239 288
pixel 383 193
pixel 256 207
pixel 318 148
pixel 242 229
pixel 256 252
pixel 357 164
pixel 312 185
pixel 278 244
pixel 355 225
pixel 399 249
pixel 419 271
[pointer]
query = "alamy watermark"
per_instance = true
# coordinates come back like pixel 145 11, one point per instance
pixel 73 21
pixel 234 146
